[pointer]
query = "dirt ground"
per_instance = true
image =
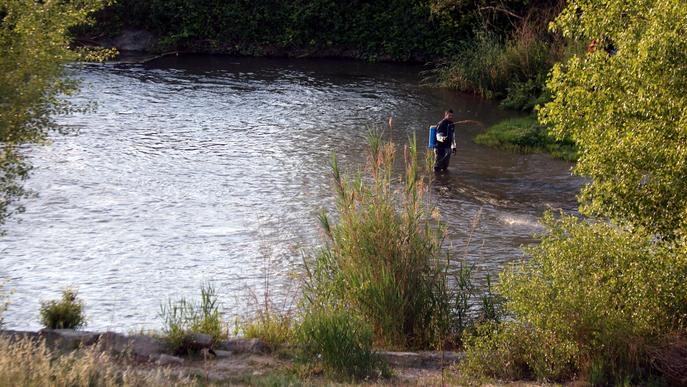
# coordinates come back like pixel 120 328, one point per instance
pixel 275 370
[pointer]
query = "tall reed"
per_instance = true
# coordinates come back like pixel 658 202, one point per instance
pixel 383 259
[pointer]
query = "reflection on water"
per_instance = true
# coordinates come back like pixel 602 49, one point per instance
pixel 194 168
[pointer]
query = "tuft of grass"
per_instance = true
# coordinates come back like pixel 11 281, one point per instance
pixel 340 343
pixel 182 317
pixel 525 135
pixel 383 259
pixel 270 321
pixel 510 68
pixel 275 329
pixel 26 363
pixel 67 313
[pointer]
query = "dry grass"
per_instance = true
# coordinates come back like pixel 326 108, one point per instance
pixel 26 363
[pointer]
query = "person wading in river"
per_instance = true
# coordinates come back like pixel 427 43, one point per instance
pixel 446 142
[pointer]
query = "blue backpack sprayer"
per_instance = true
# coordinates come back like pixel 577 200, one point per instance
pixel 432 143
pixel 432 137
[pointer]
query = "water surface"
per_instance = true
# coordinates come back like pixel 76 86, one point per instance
pixel 211 169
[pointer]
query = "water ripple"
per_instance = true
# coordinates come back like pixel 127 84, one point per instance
pixel 194 169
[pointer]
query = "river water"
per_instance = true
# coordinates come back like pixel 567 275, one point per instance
pixel 205 169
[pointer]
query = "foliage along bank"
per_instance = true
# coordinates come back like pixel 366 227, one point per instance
pixel 604 299
pixel 403 30
pixel 34 47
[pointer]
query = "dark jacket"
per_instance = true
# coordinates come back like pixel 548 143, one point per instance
pixel 446 128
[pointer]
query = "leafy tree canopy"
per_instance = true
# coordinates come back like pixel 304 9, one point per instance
pixel 34 46
pixel 624 103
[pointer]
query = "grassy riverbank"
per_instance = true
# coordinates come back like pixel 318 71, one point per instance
pixel 526 135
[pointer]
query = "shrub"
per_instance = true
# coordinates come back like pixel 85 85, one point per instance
pixel 526 95
pixel 613 293
pixel 382 260
pixel 25 363
pixel 183 317
pixel 514 351
pixel 340 342
pixel 66 313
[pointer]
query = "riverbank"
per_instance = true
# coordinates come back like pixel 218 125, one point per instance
pixel 526 135
pixel 137 42
pixel 234 361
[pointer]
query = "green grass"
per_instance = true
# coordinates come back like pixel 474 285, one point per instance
pixel 183 316
pixel 525 135
pixel 340 344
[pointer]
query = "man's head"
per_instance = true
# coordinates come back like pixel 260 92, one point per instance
pixel 448 114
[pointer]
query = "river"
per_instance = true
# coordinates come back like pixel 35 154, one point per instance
pixel 209 169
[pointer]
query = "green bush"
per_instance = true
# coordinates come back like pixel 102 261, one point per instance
pixel 609 292
pixel 526 95
pixel 383 259
pixel 626 111
pixel 340 343
pixel 33 83
pixel 514 351
pixel 183 317
pixel 66 313
pixel 525 135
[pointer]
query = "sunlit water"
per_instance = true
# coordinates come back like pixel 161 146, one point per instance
pixel 201 170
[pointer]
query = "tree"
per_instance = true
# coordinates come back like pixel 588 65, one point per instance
pixel 625 105
pixel 598 298
pixel 34 46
